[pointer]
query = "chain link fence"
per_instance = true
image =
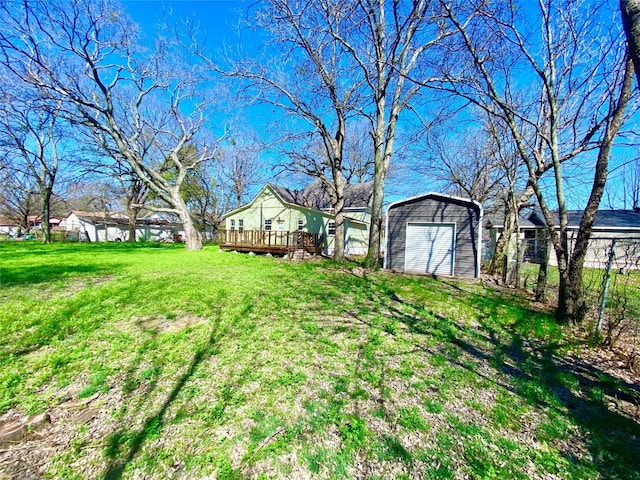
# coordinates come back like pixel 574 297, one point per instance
pixel 611 285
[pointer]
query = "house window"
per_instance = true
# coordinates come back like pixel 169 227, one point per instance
pixel 529 234
pixel 241 224
pixel 331 228
pixel 267 224
pixel 281 225
pixel 232 224
pixel 300 224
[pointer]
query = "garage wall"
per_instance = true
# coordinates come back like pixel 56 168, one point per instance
pixel 433 209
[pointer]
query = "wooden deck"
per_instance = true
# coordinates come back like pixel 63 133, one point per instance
pixel 278 243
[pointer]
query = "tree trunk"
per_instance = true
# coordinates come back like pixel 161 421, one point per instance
pixel 375 229
pixel 44 221
pixel 543 275
pixel 630 10
pixel 338 241
pixel 132 215
pixel 383 146
pixel 510 222
pixel 571 297
pixel 191 236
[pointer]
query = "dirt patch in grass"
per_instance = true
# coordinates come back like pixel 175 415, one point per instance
pixel 79 425
pixel 162 324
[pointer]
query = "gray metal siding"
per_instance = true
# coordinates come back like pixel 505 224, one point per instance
pixel 433 210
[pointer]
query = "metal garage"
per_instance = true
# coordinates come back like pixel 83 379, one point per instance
pixel 434 234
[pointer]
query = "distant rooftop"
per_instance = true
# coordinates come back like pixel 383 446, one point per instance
pixel 604 219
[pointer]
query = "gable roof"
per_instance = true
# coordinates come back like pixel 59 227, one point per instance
pixel 6 220
pixel 115 218
pixel 315 196
pixel 606 219
pixel 440 197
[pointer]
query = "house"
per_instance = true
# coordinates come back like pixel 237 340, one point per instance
pixel 8 226
pixel 279 220
pixel 114 227
pixel 434 234
pixel 623 225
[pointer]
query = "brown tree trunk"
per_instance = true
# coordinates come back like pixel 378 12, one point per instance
pixel 132 215
pixel 575 306
pixel 630 10
pixel 44 221
pixel 543 275
pixel 338 241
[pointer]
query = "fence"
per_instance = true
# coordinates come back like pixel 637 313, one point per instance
pixel 611 282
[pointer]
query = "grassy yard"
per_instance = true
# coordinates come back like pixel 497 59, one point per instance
pixel 154 362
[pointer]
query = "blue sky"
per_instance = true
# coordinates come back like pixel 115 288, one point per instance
pixel 219 19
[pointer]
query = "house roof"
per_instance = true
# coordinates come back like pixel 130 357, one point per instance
pixel 316 196
pixel 605 219
pixel 438 196
pixel 98 218
pixel 101 215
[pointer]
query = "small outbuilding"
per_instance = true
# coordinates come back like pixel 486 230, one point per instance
pixel 434 234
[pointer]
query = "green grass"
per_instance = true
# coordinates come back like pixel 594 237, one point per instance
pixel 223 365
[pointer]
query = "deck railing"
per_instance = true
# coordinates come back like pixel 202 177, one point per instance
pixel 281 241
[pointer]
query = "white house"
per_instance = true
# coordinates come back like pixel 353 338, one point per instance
pixel 114 227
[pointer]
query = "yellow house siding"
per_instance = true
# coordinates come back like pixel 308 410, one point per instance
pixel 268 205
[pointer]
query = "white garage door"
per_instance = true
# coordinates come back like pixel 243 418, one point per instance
pixel 429 248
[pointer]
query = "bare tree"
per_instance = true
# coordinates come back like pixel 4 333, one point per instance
pixel 309 80
pixel 574 101
pixel 84 54
pixel 18 196
pixel 631 184
pixel 32 133
pixel 358 155
pixel 239 170
pixel 136 193
pixel 388 41
pixel 468 164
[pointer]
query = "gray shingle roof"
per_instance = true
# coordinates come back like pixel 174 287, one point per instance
pixel 604 218
pixel 316 196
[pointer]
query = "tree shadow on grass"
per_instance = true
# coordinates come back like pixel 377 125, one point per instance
pixel 46 263
pixel 537 372
pixel 43 273
pixel 155 423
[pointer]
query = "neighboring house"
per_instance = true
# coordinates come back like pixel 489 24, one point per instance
pixel 114 227
pixel 623 225
pixel 434 234
pixel 279 219
pixel 54 222
pixel 8 226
